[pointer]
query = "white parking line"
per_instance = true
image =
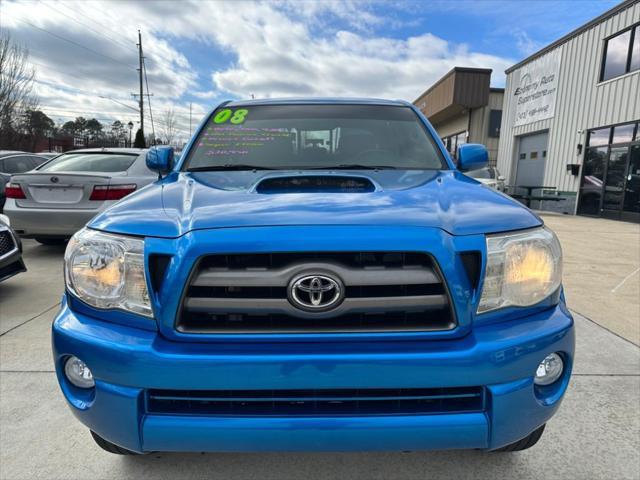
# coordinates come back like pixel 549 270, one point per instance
pixel 625 279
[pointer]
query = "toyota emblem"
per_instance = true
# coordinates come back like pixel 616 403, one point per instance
pixel 315 293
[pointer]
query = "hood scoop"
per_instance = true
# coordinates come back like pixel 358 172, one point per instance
pixel 315 184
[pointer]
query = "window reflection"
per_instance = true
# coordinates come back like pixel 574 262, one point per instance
pixel 599 137
pixel 632 187
pixel 614 183
pixel 623 133
pixel 615 63
pixel 635 54
pixel 592 177
pixel 620 56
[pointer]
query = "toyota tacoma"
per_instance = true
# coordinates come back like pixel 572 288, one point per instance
pixel 314 275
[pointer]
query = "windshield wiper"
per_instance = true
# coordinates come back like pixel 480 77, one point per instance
pixel 354 166
pixel 228 166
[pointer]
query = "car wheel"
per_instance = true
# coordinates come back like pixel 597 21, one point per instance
pixel 51 241
pixel 111 447
pixel 527 442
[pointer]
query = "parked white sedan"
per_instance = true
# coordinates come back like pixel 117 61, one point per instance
pixel 53 201
pixel 490 176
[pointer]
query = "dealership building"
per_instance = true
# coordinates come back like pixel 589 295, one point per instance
pixel 571 120
pixel 463 108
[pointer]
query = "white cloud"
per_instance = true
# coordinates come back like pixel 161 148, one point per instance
pixel 279 49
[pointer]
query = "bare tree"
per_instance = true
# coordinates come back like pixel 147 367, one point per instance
pixel 16 88
pixel 169 124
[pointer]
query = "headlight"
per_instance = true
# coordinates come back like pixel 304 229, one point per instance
pixel 522 269
pixel 107 271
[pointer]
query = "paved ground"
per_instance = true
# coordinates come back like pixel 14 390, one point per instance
pixel 602 270
pixel 595 435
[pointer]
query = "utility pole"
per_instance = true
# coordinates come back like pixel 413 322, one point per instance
pixel 140 75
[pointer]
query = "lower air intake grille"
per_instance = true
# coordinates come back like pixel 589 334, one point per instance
pixel 255 293
pixel 6 242
pixel 316 402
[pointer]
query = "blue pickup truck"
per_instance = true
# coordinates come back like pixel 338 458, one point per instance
pixel 315 275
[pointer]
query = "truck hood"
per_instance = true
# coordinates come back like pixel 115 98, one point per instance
pixel 183 201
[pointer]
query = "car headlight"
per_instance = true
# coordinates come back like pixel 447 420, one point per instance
pixel 107 271
pixel 523 269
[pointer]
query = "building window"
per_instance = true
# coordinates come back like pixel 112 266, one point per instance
pixel 534 155
pixel 452 142
pixel 495 122
pixel 523 156
pixel 623 133
pixel 600 136
pixel 621 54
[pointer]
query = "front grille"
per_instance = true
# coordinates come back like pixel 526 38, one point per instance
pixel 249 293
pixel 7 243
pixel 317 402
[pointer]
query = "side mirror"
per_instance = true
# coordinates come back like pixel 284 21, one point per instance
pixel 472 156
pixel 160 159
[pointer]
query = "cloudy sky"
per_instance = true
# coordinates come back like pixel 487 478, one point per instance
pixel 200 52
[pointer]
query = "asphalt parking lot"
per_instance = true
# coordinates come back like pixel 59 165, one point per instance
pixel 595 435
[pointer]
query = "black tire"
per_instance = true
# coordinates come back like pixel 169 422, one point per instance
pixel 111 447
pixel 527 442
pixel 51 241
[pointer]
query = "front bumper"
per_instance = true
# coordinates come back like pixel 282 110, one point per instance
pixel 126 361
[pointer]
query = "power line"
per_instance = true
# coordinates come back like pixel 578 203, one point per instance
pixel 121 103
pixel 75 89
pixel 91 19
pixel 74 43
pixel 111 39
pixel 96 115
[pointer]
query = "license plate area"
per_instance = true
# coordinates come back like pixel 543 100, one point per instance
pixel 56 194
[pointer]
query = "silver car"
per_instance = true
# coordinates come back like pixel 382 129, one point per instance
pixel 490 176
pixel 59 197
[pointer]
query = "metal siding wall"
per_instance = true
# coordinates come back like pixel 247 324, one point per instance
pixel 581 103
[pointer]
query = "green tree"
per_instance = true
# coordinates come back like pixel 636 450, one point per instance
pixel 80 126
pixel 117 130
pixel 69 128
pixel 93 128
pixel 139 141
pixel 37 124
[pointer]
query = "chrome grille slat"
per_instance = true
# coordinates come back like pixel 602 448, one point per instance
pixel 383 292
pixel 280 277
pixel 349 305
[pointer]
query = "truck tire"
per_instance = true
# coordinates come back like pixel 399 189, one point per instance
pixel 111 447
pixel 51 241
pixel 527 442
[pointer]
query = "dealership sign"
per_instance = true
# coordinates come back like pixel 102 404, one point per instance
pixel 536 88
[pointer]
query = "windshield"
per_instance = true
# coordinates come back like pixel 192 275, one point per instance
pixel 283 137
pixel 89 162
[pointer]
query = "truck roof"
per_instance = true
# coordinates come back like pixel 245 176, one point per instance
pixel 319 101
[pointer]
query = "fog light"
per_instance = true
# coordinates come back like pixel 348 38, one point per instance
pixel 549 369
pixel 78 373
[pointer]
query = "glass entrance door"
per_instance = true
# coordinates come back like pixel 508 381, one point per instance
pixel 631 202
pixel 615 180
pixel 610 183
